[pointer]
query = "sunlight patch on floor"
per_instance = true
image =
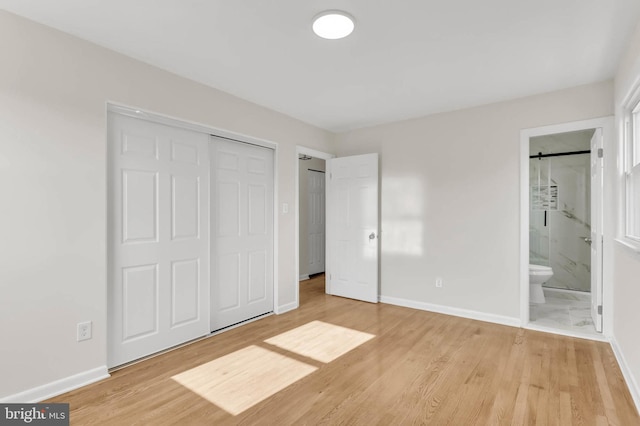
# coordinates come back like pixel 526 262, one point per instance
pixel 320 341
pixel 240 380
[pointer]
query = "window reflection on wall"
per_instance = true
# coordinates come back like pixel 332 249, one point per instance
pixel 402 217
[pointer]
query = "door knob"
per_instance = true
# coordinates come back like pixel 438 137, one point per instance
pixel 372 236
pixel 587 240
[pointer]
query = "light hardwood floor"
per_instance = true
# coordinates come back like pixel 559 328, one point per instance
pixel 419 368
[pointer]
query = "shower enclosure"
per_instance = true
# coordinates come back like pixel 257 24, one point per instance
pixel 560 206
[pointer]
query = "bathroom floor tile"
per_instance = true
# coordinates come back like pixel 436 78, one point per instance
pixel 563 310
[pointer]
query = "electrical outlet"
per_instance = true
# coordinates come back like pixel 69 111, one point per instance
pixel 84 331
pixel 438 282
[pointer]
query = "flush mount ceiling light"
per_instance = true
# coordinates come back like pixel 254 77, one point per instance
pixel 333 24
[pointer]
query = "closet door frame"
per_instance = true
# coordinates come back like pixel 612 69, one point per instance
pixel 112 107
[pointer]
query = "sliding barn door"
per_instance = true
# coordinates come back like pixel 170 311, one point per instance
pixel 242 235
pixel 158 281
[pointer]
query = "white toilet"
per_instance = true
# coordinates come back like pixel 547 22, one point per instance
pixel 538 275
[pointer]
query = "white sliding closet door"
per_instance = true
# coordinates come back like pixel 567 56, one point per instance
pixel 158 284
pixel 242 232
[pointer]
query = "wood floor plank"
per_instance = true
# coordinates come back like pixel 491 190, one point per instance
pixel 419 368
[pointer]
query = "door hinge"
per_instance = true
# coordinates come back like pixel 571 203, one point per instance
pixel 600 152
pixel 599 309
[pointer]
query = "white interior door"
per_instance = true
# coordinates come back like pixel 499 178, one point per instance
pixel 242 232
pixel 597 184
pixel 158 291
pixel 352 227
pixel 316 223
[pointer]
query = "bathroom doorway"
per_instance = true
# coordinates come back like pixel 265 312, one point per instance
pixel 562 228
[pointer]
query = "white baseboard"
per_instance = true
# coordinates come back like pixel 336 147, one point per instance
pixel 58 387
pixel 569 333
pixel 286 308
pixel 304 277
pixel 458 312
pixel 632 384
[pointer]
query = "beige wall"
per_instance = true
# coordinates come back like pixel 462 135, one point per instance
pixel 626 289
pixel 303 200
pixel 450 194
pixel 53 94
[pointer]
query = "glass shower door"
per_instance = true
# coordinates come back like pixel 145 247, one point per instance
pixel 541 191
pixel 560 216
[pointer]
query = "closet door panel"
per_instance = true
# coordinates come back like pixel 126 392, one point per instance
pixel 242 241
pixel 158 283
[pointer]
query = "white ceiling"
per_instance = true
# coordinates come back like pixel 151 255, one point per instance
pixel 406 58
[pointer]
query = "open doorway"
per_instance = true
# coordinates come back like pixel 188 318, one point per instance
pixel 311 210
pixel 560 226
pixel 310 166
pixel 352 224
pixel 563 288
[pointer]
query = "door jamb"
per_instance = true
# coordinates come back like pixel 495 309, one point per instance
pixel 317 154
pixel 608 141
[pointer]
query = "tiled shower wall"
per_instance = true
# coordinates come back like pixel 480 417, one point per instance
pixel 561 243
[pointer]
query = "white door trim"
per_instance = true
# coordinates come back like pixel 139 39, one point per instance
pixel 189 125
pixel 607 125
pixel 317 154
